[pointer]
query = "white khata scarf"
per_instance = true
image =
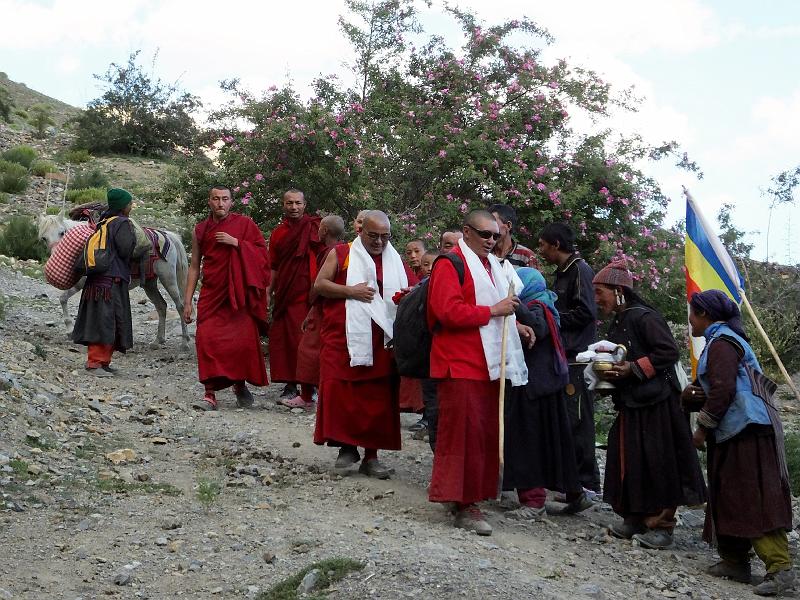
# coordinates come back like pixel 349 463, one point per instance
pixel 488 293
pixel 360 315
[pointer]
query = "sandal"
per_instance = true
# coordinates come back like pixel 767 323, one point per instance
pixel 209 402
pixel 296 402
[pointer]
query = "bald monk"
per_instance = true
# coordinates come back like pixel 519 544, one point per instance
pixel 449 239
pixel 358 401
pixel 331 230
pixel 293 247
pixel 359 220
pixel 232 309
pixel 467 321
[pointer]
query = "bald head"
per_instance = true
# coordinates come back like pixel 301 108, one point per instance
pixel 357 222
pixel 480 232
pixel 331 229
pixel 375 232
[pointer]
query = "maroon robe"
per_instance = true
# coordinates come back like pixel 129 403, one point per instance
pixel 292 249
pixel 466 464
pixel 232 309
pixel 357 406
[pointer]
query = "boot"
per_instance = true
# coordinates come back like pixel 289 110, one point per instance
pixel 730 570
pixel 775 584
pixel 656 539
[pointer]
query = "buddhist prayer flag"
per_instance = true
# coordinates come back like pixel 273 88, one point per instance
pixel 708 265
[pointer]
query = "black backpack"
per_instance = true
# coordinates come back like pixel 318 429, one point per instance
pixel 412 336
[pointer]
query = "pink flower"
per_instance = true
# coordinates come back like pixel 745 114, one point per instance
pixel 247 197
pixel 556 199
pixel 356 106
pixel 463 207
pixel 334 134
pixel 259 177
pixel 442 153
pixel 245 184
pixel 604 191
pixel 528 127
pixel 541 187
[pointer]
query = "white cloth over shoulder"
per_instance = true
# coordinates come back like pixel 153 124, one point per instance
pixel 488 293
pixel 360 315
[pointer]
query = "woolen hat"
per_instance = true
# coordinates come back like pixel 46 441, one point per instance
pixel 615 274
pixel 118 198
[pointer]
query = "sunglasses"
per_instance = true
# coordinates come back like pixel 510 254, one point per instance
pixel 485 234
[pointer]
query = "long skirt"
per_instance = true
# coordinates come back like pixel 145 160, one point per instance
pixel 359 413
pixel 466 463
pixel 104 317
pixel 651 463
pixel 411 395
pixel 284 338
pixel 229 348
pixel 539 450
pixel 309 349
pixel 747 496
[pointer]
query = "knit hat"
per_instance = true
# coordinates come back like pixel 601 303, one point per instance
pixel 118 198
pixel 615 274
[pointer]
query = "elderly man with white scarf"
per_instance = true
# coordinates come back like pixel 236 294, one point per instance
pixel 467 319
pixel 358 396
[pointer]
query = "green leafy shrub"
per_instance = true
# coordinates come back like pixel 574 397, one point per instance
pixel 6 104
pixel 81 196
pixel 77 156
pixel 86 178
pixel 23 155
pixel 21 112
pixel 13 177
pixel 791 443
pixel 41 117
pixel 41 167
pixel 20 239
pixel 4 198
pixel 138 114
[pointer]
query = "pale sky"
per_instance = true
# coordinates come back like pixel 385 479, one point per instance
pixel 720 76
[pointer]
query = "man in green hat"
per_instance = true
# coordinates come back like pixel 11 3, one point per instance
pixel 104 316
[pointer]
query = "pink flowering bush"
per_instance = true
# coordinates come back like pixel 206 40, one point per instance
pixel 431 132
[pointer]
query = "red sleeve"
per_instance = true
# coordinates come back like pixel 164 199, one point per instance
pixel 446 303
pixel 412 278
pixel 274 243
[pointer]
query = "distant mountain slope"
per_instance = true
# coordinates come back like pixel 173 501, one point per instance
pixel 24 97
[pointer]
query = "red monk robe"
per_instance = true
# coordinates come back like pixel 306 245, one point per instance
pixel 292 249
pixel 358 406
pixel 466 463
pixel 308 352
pixel 232 308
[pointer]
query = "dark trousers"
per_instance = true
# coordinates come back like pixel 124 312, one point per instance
pixel 430 409
pixel 580 408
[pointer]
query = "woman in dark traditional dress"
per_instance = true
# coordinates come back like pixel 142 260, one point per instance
pixel 539 450
pixel 104 315
pixel 651 465
pixel 749 502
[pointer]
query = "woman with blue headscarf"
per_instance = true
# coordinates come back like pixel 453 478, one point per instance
pixel 749 505
pixel 539 449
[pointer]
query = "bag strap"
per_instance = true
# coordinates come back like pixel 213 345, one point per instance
pixel 457 263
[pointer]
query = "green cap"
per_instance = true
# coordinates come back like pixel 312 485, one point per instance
pixel 118 198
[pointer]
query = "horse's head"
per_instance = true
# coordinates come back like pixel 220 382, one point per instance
pixel 51 229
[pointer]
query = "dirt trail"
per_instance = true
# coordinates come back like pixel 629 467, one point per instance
pixel 72 520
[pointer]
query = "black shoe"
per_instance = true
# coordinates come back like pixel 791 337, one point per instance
pixel 655 539
pixel 110 369
pixel 348 456
pixel 421 424
pixel 626 530
pixel 580 504
pixel 729 570
pixel 289 391
pixel 775 584
pixel 244 399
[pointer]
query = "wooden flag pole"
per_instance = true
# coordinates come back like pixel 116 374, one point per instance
pixel 502 399
pixel 774 352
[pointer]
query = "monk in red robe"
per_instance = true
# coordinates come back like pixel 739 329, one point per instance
pixel 358 400
pixel 466 461
pixel 293 247
pixel 232 309
pixel 331 230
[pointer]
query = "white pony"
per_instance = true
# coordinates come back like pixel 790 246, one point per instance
pixel 170 271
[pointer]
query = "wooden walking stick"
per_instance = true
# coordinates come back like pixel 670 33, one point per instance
pixel 502 399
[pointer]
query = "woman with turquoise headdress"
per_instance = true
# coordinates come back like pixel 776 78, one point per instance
pixel 539 449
